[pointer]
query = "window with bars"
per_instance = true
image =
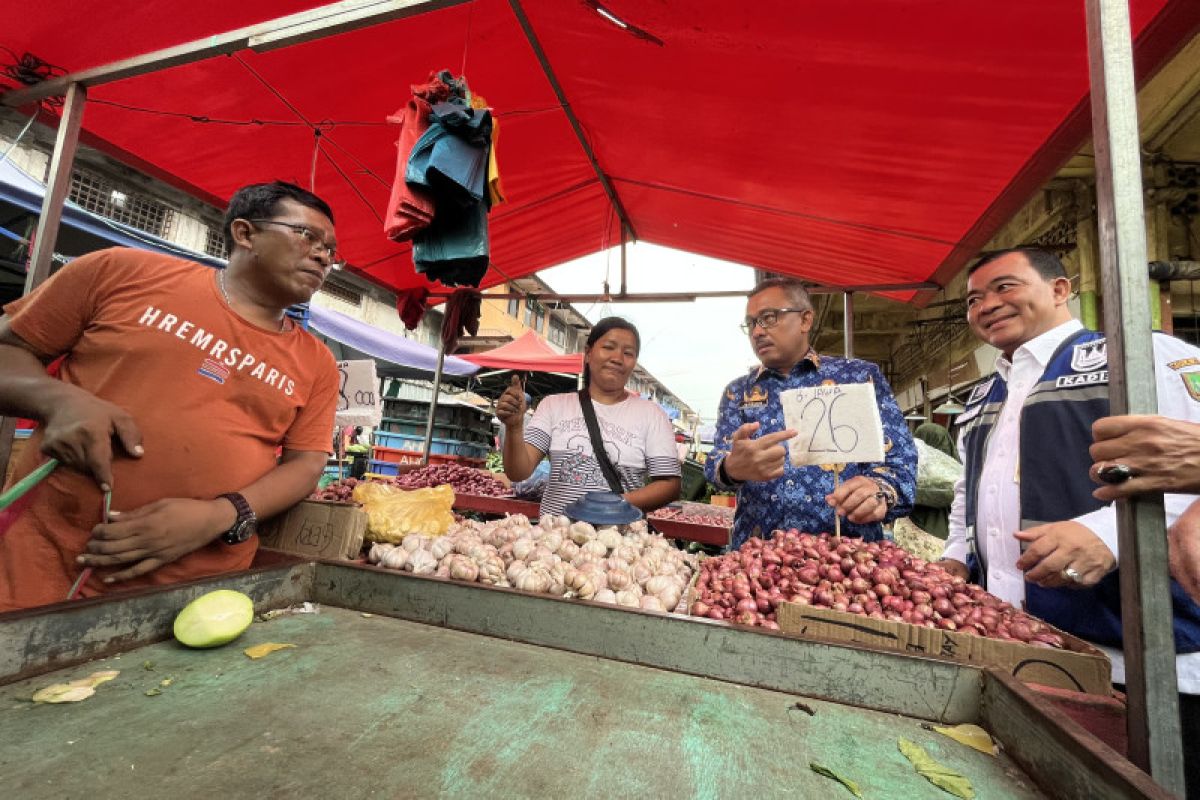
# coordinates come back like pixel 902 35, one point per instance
pixel 558 332
pixel 95 193
pixel 342 291
pixel 215 244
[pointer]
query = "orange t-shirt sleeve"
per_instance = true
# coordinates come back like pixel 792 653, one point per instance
pixel 313 426
pixel 54 316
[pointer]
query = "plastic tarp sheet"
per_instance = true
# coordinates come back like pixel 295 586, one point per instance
pixel 846 143
pixel 402 357
pixel 528 353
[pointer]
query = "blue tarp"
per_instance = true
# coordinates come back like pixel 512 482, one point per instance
pixel 26 192
pixel 360 340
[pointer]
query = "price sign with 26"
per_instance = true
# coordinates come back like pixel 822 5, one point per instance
pixel 837 424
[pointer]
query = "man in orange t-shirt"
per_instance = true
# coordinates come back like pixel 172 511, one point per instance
pixel 178 386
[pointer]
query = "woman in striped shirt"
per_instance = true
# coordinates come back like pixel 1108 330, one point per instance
pixel 636 433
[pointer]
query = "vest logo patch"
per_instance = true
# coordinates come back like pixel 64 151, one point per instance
pixel 1183 363
pixel 1087 379
pixel 980 391
pixel 1191 380
pixel 1089 356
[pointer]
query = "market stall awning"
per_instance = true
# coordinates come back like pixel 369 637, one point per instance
pixel 396 356
pixel 846 143
pixel 528 353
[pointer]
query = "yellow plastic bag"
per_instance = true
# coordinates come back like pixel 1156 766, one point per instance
pixel 394 513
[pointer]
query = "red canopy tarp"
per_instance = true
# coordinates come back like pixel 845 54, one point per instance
pixel 847 143
pixel 528 353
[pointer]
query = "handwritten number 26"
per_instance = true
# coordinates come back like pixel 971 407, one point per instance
pixel 843 438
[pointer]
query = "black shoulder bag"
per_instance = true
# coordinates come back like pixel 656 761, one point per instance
pixel 606 466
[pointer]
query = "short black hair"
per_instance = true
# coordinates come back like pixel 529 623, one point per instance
pixel 1048 265
pixel 604 326
pixel 260 200
pixel 794 287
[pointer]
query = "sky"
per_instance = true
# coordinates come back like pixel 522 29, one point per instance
pixel 696 348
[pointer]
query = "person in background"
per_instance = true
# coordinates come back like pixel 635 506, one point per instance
pixel 931 513
pixel 180 383
pixel 750 457
pixel 637 435
pixel 1025 523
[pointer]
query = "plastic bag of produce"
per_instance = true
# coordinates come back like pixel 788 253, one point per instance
pixel 936 476
pixel 393 513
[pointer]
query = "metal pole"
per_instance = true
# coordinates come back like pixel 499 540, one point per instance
pixel 1149 643
pixel 56 192
pixel 437 385
pixel 623 264
pixel 848 322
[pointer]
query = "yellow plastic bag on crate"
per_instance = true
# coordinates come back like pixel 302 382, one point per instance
pixel 394 513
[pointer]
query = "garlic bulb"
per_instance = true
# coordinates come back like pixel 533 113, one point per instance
pixel 521 548
pixel 594 548
pixel 661 583
pixel 619 579
pixel 534 579
pixel 568 550
pixel 551 541
pixel 641 572
pixel 378 551
pixel 491 570
pixel 414 541
pixel 514 570
pixel 463 569
pixel 605 596
pixel 627 597
pixel 609 538
pixel 670 599
pixel 651 603
pixel 421 562
pixel 581 532
pixel 442 571
pixel 626 553
pixel 581 584
pixel 441 547
pixel 395 558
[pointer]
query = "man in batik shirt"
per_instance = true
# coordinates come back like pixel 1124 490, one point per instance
pixel 750 455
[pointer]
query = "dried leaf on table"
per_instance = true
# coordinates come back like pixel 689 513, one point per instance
pixel 265 649
pixel 939 775
pixel 76 690
pixel 155 692
pixel 970 735
pixel 842 779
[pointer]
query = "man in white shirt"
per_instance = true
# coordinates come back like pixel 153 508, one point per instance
pixel 1024 517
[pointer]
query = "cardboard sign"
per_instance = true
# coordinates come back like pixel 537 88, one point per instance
pixel 317 530
pixel 836 424
pixel 358 394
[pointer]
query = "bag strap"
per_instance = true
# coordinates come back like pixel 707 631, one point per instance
pixel 606 466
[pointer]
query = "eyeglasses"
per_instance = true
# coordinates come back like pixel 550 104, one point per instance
pixel 310 237
pixel 768 319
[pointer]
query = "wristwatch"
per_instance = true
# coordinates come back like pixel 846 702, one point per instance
pixel 243 527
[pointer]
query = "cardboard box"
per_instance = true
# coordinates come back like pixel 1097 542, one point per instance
pixel 317 529
pixel 1079 667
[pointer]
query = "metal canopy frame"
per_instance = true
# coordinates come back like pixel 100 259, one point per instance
pixel 1153 718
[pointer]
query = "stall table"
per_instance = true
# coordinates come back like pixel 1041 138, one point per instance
pixel 412 686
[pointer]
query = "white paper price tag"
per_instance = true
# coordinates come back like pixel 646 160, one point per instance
pixel 358 394
pixel 835 424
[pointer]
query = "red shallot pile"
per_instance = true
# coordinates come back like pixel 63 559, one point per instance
pixel 464 480
pixel 877 579
pixel 340 491
pixel 694 516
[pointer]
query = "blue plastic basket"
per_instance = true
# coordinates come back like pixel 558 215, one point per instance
pixel 384 467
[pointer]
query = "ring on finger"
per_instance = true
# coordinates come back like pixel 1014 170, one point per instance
pixel 1071 574
pixel 1115 473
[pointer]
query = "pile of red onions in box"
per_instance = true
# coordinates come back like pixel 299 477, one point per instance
pixel 877 580
pixel 464 480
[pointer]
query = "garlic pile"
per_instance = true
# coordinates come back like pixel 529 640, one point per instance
pixel 626 566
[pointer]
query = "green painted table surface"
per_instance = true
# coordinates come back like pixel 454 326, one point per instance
pixel 371 706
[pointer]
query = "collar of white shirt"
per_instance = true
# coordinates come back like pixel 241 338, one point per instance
pixel 1040 348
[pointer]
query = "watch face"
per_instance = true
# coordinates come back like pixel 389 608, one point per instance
pixel 239 532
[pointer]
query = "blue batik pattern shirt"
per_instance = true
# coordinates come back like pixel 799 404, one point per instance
pixel 797 499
